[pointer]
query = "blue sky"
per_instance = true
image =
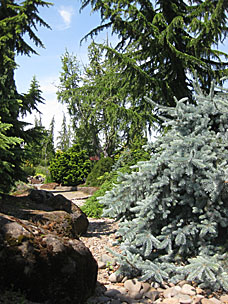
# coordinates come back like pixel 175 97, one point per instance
pixel 68 28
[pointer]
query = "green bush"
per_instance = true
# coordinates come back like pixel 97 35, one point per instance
pixel 124 161
pixel 28 169
pixel 95 179
pixel 71 167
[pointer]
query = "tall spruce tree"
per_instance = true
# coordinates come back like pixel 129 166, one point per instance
pixel 162 42
pixel 173 209
pixel 16 19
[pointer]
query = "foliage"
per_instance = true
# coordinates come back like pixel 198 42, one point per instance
pixel 6 168
pixel 124 161
pixel 104 115
pixel 173 209
pixel 101 166
pixel 162 42
pixel 64 138
pixel 70 167
pixel 16 20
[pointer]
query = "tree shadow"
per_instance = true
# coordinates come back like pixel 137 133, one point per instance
pixel 97 229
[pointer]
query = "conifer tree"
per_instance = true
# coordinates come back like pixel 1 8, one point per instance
pixel 105 116
pixel 162 42
pixel 173 209
pixel 17 19
pixel 64 138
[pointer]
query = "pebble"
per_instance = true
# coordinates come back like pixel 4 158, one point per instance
pixel 188 290
pixel 117 289
pixel 105 258
pixel 184 299
pixel 133 286
pixel 115 278
pixel 171 292
pixel 111 293
pixel 224 299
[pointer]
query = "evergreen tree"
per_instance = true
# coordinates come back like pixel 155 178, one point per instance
pixel 105 116
pixel 49 147
pixel 16 20
pixel 6 144
pixel 173 209
pixel 162 42
pixel 64 138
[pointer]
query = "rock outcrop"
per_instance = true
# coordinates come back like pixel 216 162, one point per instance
pixel 40 250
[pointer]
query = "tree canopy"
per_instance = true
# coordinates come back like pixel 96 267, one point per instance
pixel 105 116
pixel 162 43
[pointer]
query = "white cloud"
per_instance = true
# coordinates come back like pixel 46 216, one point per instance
pixel 66 12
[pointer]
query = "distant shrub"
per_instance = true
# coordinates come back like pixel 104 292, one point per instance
pixel 44 172
pixel 71 167
pixel 124 161
pixel 28 169
pixel 103 166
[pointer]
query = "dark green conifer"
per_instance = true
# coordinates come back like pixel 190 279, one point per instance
pixel 16 19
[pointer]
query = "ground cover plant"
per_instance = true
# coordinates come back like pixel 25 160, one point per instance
pixel 173 209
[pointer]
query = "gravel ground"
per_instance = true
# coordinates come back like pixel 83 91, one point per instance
pixel 116 290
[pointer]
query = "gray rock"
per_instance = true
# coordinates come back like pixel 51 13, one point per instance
pixel 216 301
pixel 101 265
pixel 145 287
pixel 39 196
pixel 153 295
pixel 48 266
pixel 108 260
pixel 170 292
pixel 115 278
pixel 114 301
pixel 102 300
pixel 170 301
pixel 188 289
pixel 112 293
pixel 184 299
pixel 133 286
pixel 135 295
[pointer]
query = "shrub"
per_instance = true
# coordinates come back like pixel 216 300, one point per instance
pixel 124 161
pixel 70 167
pixel 100 168
pixel 173 209
pixel 28 169
pixel 44 172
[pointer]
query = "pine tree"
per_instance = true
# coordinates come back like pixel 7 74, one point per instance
pixel 161 43
pixel 173 209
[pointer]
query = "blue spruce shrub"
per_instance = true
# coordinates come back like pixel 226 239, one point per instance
pixel 173 210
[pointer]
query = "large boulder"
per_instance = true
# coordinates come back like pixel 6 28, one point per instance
pixel 40 251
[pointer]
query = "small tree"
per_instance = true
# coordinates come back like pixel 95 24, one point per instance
pixel 64 138
pixel 174 209
pixel 70 167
